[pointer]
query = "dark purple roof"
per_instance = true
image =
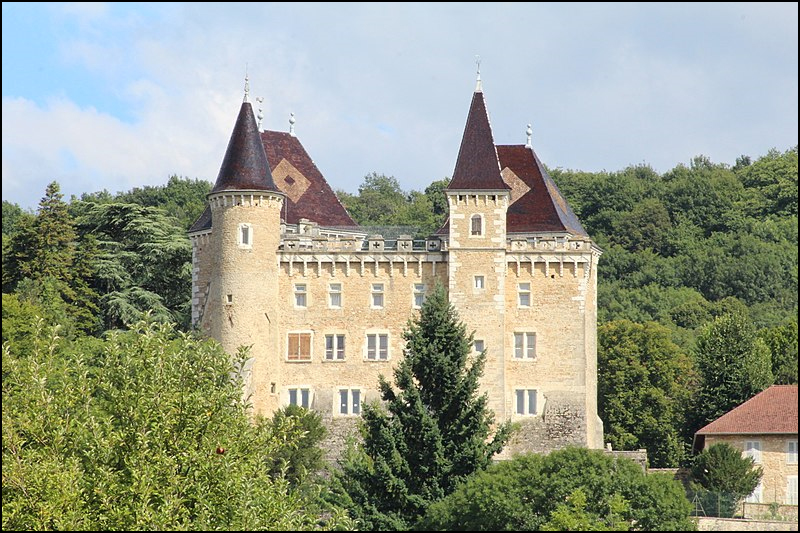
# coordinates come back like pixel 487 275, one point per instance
pixel 245 164
pixel 308 194
pixel 203 222
pixel 542 207
pixel 476 166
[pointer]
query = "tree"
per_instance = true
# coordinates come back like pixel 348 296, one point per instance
pixel 146 429
pixel 537 492
pixel 782 343
pixel 721 469
pixel 435 430
pixel 734 366
pixel 644 383
pixel 302 457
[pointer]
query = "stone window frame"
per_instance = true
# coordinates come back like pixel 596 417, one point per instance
pixel 526 398
pixel 377 333
pixel 300 334
pixel 476 230
pixel 244 235
pixel 479 282
pixel 475 348
pixel 297 292
pixel 524 292
pixel 377 293
pixel 337 292
pixel 752 448
pixel 791 452
pixel 526 348
pixel 791 495
pixel 335 336
pixel 418 292
pixel 349 405
pixel 298 390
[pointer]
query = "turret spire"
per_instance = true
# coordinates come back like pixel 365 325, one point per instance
pixel 478 85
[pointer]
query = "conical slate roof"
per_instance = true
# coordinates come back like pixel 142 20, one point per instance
pixel 245 164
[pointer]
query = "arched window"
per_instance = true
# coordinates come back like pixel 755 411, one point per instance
pixel 476 225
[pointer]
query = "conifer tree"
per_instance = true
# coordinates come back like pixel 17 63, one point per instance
pixel 432 431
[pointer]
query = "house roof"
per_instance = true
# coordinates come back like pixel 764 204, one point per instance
pixel 308 194
pixel 773 410
pixel 245 164
pixel 536 202
pixel 477 166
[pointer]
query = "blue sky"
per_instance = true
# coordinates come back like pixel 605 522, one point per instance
pixel 115 96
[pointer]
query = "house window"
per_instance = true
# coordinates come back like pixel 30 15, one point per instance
pixel 245 236
pixel 752 448
pixel 335 295
pixel 791 490
pixel 524 294
pixel 377 295
pixel 299 347
pixel 378 346
pixel 419 295
pixel 349 401
pixel 479 282
pixel 791 452
pixel 334 347
pixel 476 225
pixel 300 295
pixel 524 345
pixel 300 396
pixel 757 494
pixel 525 400
pixel 478 345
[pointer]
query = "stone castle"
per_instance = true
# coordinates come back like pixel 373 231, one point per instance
pixel 279 265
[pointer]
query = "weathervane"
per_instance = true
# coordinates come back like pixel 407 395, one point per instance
pixel 529 133
pixel 478 87
pixel 260 116
pixel 291 124
pixel 246 85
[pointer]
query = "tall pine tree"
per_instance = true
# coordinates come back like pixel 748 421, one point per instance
pixel 430 434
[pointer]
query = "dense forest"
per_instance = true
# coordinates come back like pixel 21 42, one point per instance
pixel 697 294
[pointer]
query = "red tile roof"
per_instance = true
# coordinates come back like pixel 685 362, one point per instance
pixel 308 194
pixel 245 164
pixel 477 167
pixel 773 410
pixel 542 207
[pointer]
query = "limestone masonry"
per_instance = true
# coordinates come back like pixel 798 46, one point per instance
pixel 280 266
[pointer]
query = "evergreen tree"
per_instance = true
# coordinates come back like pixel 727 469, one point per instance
pixel 434 431
pixel 721 470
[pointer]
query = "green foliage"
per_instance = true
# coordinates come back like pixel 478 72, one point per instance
pixel 734 365
pixel 721 470
pixel 302 457
pixel 146 429
pixel 536 492
pixel 434 432
pixel 782 343
pixel 12 213
pixel 645 383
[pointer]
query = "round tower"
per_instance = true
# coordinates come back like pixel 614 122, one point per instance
pixel 242 303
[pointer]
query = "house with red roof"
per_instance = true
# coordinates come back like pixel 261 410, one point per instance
pixel 764 428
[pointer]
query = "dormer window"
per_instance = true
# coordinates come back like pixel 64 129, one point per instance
pixel 245 236
pixel 476 225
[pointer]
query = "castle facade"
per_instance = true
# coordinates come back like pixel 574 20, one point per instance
pixel 279 265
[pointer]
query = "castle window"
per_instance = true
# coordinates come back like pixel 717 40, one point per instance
pixel 229 299
pixel 300 396
pixel 349 401
pixel 476 225
pixel 525 402
pixel 245 236
pixel 300 295
pixel 334 347
pixel 377 295
pixel 478 345
pixel 299 347
pixel 524 294
pixel 480 282
pixel 791 452
pixel 752 448
pixel 378 346
pixel 524 345
pixel 419 295
pixel 335 295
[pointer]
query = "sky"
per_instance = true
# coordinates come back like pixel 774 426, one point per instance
pixel 121 95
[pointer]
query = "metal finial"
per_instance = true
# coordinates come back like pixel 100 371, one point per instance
pixel 291 124
pixel 246 85
pixel 478 86
pixel 260 115
pixel 529 133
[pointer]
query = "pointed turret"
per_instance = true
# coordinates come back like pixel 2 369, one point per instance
pixel 477 166
pixel 245 164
